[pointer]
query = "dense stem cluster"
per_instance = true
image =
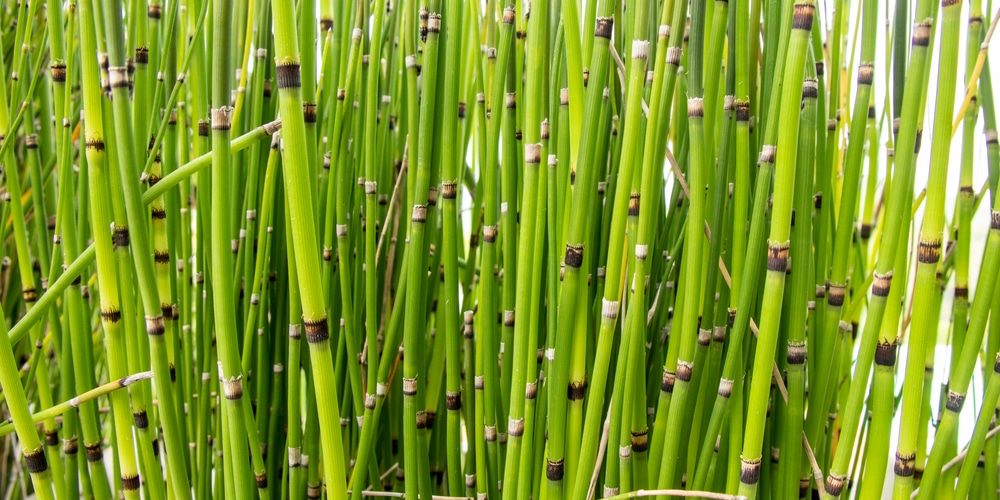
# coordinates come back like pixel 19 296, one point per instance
pixel 498 249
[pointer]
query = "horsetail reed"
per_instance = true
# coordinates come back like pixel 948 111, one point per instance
pixel 498 249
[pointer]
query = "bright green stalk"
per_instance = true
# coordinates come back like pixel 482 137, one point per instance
pixel 748 291
pixel 897 200
pixel 161 258
pixel 335 214
pixel 262 18
pixel 508 238
pixel 534 411
pixel 831 325
pixel 835 64
pixel 31 447
pixel 899 60
pixel 430 403
pixel 140 239
pixel 248 278
pixel 183 348
pixel 76 312
pixel 961 225
pixel 965 208
pixel 716 32
pixel 777 257
pixel 484 403
pixel 196 84
pixel 711 336
pixel 824 222
pixel 80 399
pixel 24 264
pixel 374 403
pixel 584 349
pixel 330 74
pixel 188 61
pixel 81 347
pixel 494 112
pixel 37 464
pixel 741 192
pixel 413 445
pixel 650 187
pixel 39 220
pixel 774 15
pixel 485 409
pixel 883 396
pixel 574 259
pixel 136 346
pixel 984 421
pixel 871 183
pixel 236 448
pixel 927 394
pixel 255 306
pixel 688 336
pixel 801 255
pixel 449 241
pixel 341 185
pixel 87 256
pixel 141 82
pixel 519 424
pixel 580 202
pixel 100 209
pixel 70 449
pixel 883 274
pixel 308 33
pixel 274 390
pixel 303 234
pixel 294 377
pixel 371 225
pixel 535 178
pixel 554 469
pixel 626 206
pixel 574 76
pixel 972 345
pixel 993 156
pixel 739 203
pixel 371 97
pixel 925 289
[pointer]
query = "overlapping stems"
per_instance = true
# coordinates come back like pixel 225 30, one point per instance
pixel 778 242
pixel 523 241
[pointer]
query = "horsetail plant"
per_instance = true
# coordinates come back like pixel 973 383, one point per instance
pixel 523 242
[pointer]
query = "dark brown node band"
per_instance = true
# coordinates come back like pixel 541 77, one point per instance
pixel 667 385
pixel 904 466
pixel 835 297
pixel 749 471
pixel 130 482
pixel 640 441
pixel 554 470
pixel 882 284
pixel 93 452
pixel 928 252
pixel 603 27
pixel 835 484
pixel 289 75
pixel 316 330
pixel 796 353
pixel 154 325
pixel 574 255
pixel 885 354
pixel 802 16
pixel 777 257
